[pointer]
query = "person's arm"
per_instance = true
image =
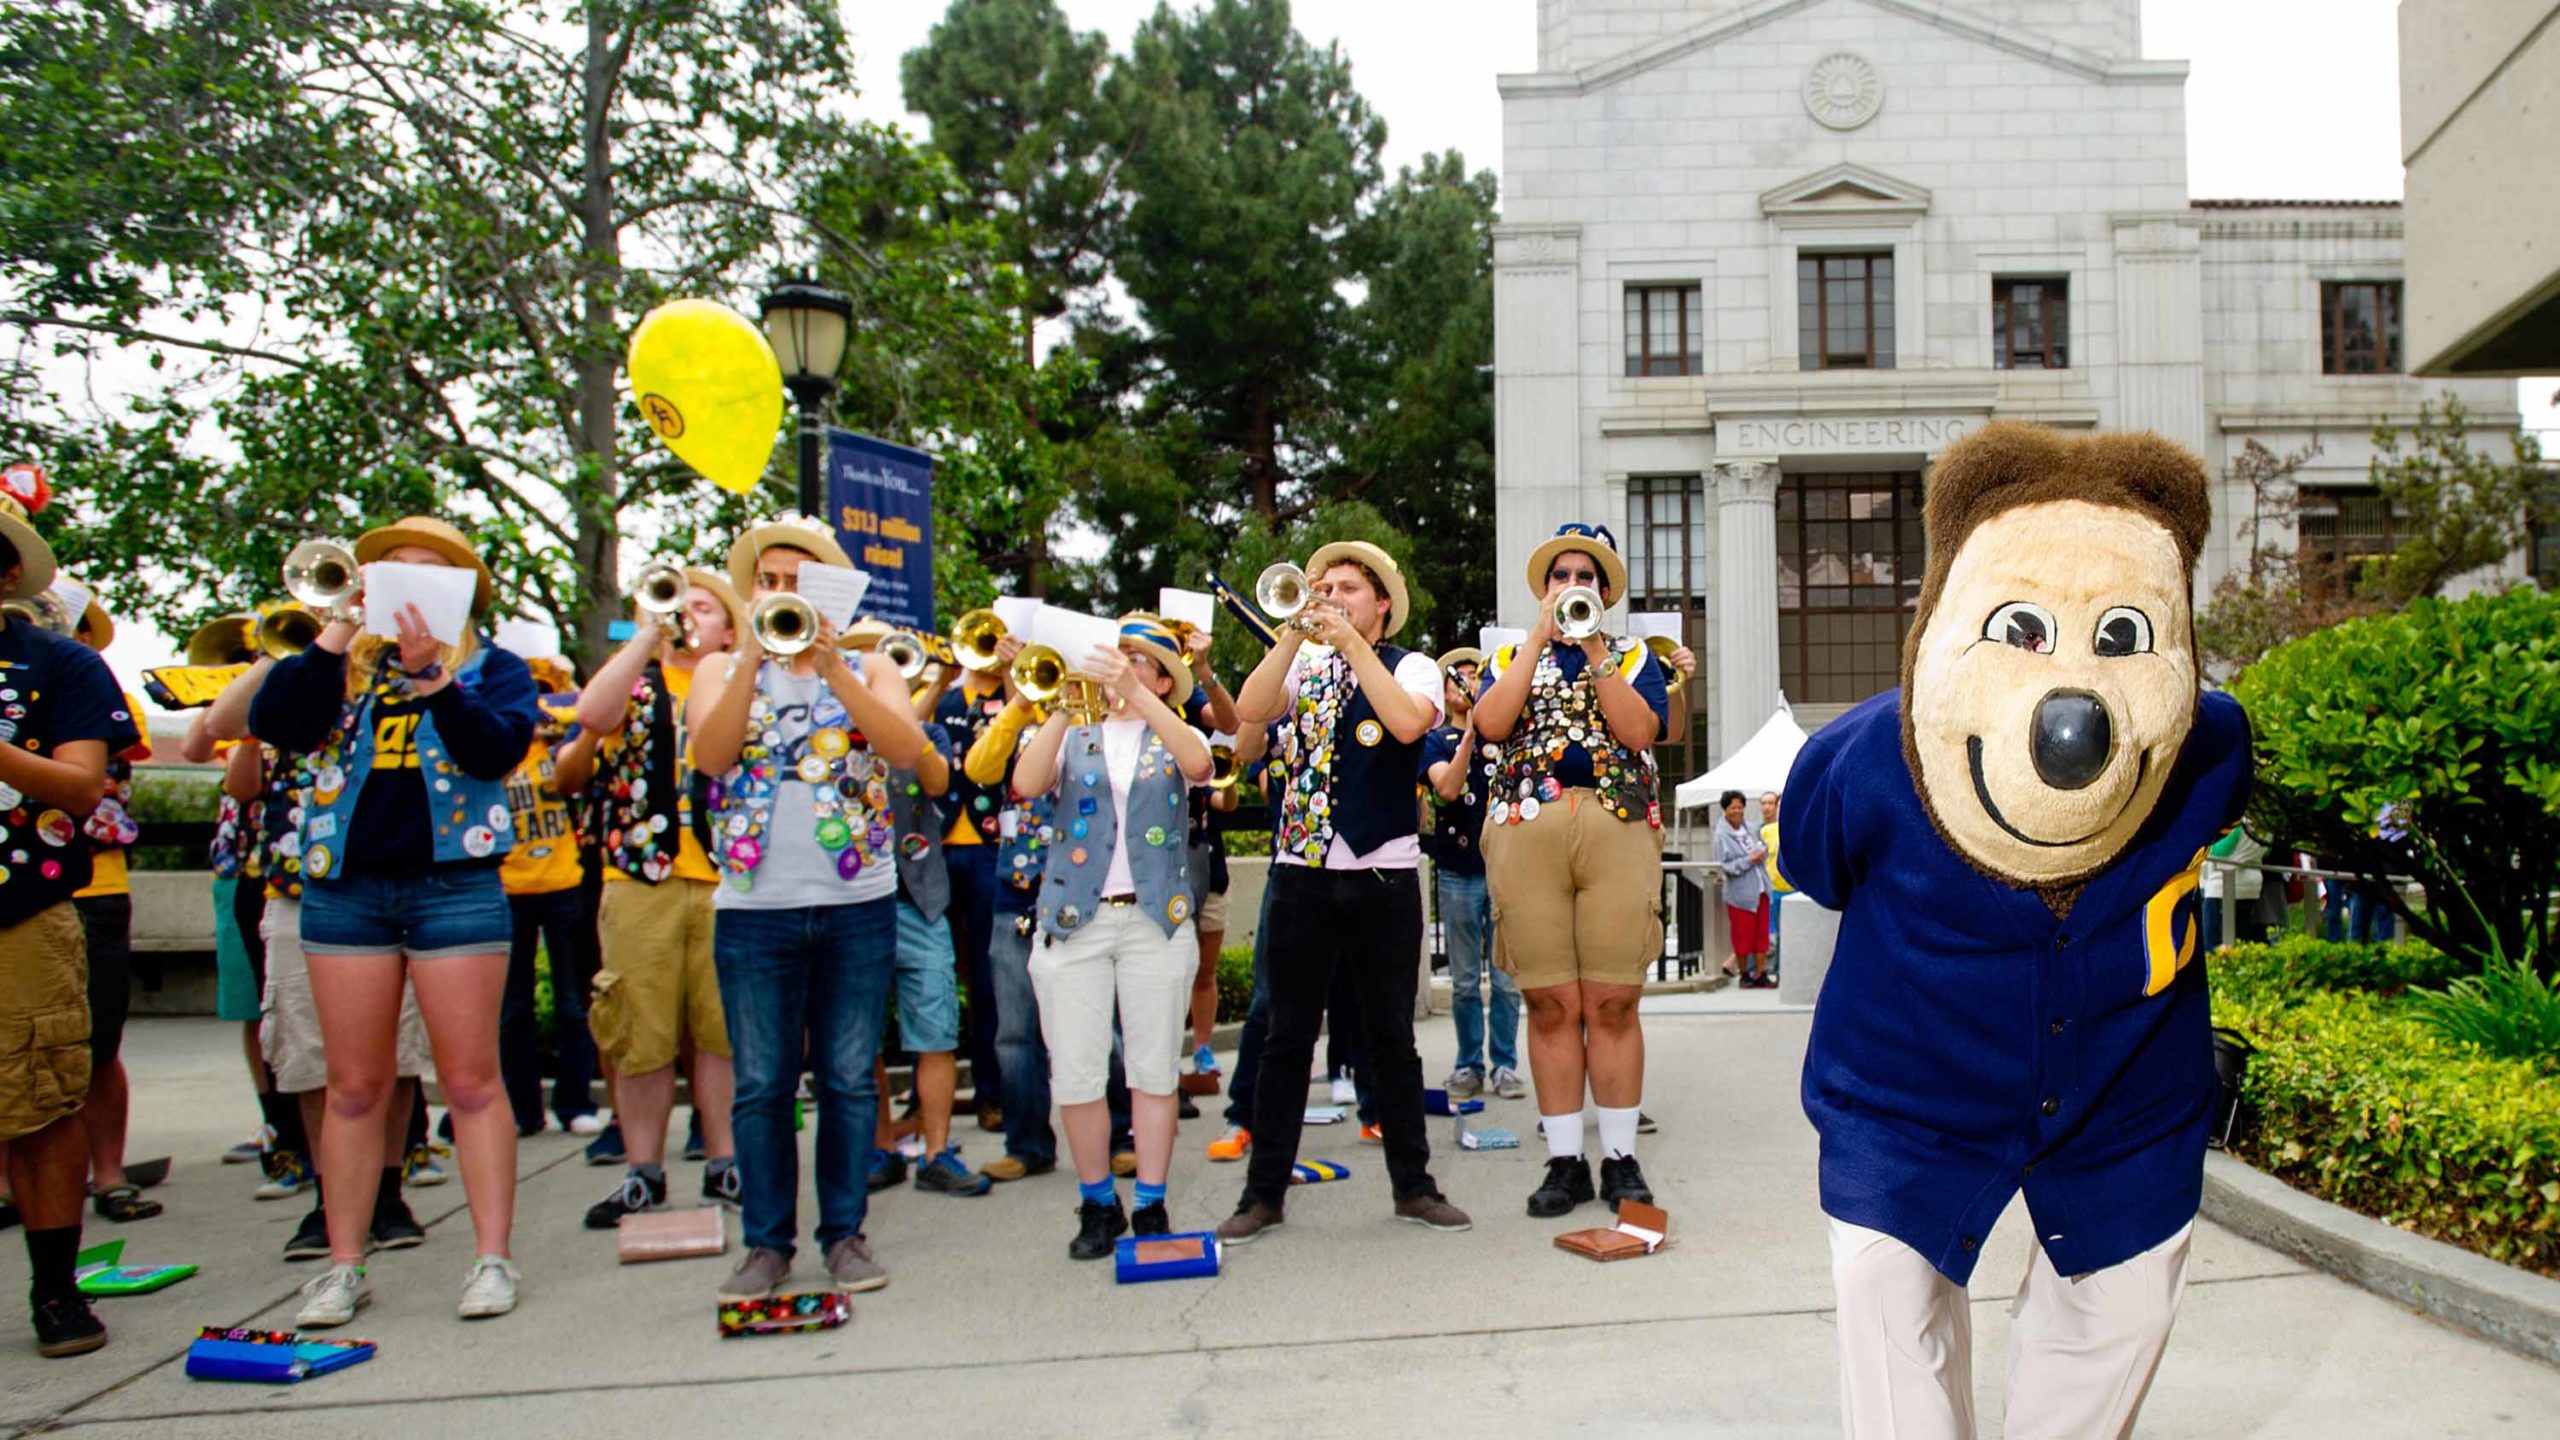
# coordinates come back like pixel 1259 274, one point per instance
pixel 299 702
pixel 1265 696
pixel 928 701
pixel 245 773
pixel 992 754
pixel 1110 670
pixel 227 718
pixel 574 764
pixel 1675 720
pixel 1252 743
pixel 877 700
pixel 933 767
pixel 1449 777
pixel 1499 704
pixel 487 726
pixel 1222 801
pixel 199 745
pixel 1037 770
pixel 72 779
pixel 606 701
pixel 1222 706
pixel 715 712
pixel 1633 708
pixel 1407 716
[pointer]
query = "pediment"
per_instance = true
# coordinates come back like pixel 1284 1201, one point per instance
pixel 1845 190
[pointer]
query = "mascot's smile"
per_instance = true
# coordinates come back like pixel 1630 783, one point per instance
pixel 1990 807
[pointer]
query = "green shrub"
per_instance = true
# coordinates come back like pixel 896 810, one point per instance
pixel 2301 964
pixel 1235 982
pixel 1247 844
pixel 2506 1010
pixel 164 794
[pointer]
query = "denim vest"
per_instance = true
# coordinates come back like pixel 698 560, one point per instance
pixel 920 820
pixel 471 815
pixel 1088 826
pixel 849 784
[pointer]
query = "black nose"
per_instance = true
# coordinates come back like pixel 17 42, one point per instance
pixel 2073 738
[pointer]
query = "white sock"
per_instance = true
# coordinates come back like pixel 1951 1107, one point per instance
pixel 1564 1135
pixel 1617 1132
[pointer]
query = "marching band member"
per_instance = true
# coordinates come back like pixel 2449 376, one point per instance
pixel 1115 917
pixel 1023 831
pixel 106 916
pixel 1573 852
pixel 545 877
pixel 1459 771
pixel 966 711
pixel 406 821
pixel 1344 890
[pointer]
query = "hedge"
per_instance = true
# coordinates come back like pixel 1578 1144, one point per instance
pixel 2352 1099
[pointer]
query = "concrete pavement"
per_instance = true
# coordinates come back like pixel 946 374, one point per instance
pixel 1343 1320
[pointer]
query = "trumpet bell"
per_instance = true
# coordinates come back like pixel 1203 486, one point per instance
pixel 1662 646
pixel 783 624
pixel 974 637
pixel 904 649
pixel 45 611
pixel 321 575
pixel 229 640
pixel 1281 590
pixel 1039 673
pixel 1223 773
pixel 287 631
pixel 1578 612
pixel 660 589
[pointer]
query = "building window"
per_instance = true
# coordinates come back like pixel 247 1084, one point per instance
pixel 1666 571
pixel 1850 554
pixel 1844 311
pixel 2360 327
pixel 2344 528
pixel 1666 328
pixel 2030 324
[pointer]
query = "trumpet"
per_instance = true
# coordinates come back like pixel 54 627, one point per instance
pixel 1578 612
pixel 1041 674
pixel 230 640
pixel 783 624
pixel 321 575
pixel 660 589
pixel 1662 646
pixel 1223 773
pixel 1281 590
pixel 286 631
pixel 974 637
pixel 904 649
pixel 45 611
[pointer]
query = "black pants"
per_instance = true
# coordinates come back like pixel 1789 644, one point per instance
pixel 548 924
pixel 107 921
pixel 1367 923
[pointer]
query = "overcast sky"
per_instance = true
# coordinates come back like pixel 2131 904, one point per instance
pixel 2285 99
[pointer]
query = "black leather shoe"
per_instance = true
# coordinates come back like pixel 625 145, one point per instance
pixel 1151 1220
pixel 1098 1226
pixel 65 1327
pixel 1568 1184
pixel 1623 1180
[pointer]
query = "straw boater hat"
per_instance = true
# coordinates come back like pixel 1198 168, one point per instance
pixel 1148 635
pixel 427 533
pixel 796 533
pixel 865 634
pixel 1379 563
pixel 1592 540
pixel 98 624
pixel 1463 655
pixel 35 558
pixel 721 590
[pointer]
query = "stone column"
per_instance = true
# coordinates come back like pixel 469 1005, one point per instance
pixel 1746 628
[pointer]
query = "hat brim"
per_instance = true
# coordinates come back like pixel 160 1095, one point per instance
pixel 100 625
pixel 35 558
pixel 1613 569
pixel 748 548
pixel 373 544
pixel 1380 563
pixel 722 591
pixel 1463 655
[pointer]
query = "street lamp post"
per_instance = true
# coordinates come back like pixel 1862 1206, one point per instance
pixel 807 324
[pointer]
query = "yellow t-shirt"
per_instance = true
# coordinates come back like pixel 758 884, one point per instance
pixel 545 858
pixel 692 861
pixel 107 871
pixel 1777 882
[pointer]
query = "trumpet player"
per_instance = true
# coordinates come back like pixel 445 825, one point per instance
pixel 1572 851
pixel 798 746
pixel 967 712
pixel 657 995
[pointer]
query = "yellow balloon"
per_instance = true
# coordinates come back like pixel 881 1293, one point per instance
pixel 708 384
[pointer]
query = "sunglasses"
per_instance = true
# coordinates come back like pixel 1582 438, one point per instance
pixel 1574 577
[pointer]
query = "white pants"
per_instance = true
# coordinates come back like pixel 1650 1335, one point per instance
pixel 1121 955
pixel 2081 1350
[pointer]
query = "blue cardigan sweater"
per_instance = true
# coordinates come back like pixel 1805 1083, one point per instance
pixel 1968 1044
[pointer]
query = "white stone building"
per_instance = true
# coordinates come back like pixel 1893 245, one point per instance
pixel 1760 261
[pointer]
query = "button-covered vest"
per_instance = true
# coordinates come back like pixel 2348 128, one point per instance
pixel 920 821
pixel 1563 712
pixel 640 794
pixel 1023 833
pixel 1088 825
pixel 472 821
pixel 235 837
pixel 849 784
pixel 277 856
pixel 1348 773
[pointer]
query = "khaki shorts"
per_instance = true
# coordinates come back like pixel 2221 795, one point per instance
pixel 44 1019
pixel 1576 894
pixel 1211 917
pixel 658 983
pixel 289 1034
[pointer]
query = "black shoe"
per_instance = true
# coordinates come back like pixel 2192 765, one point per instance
pixel 1151 1220
pixel 636 1193
pixel 721 1185
pixel 65 1327
pixel 394 1228
pixel 1185 1110
pixel 1568 1184
pixel 1623 1179
pixel 888 1168
pixel 1644 1124
pixel 1098 1227
pixel 694 1147
pixel 606 1148
pixel 311 1242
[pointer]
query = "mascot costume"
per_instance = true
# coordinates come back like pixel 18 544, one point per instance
pixel 2013 840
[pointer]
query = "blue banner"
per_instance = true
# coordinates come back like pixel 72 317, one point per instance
pixel 880 497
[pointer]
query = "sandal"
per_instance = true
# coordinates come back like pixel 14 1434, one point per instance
pixel 123 1204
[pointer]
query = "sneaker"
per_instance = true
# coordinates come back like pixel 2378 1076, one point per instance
pixel 1252 1217
pixel 311 1239
pixel 888 1168
pixel 1568 1184
pixel 1463 1083
pixel 1623 1179
pixel 1124 1163
pixel 1004 1169
pixel 422 1168
pixel 1204 1061
pixel 1098 1229
pixel 760 1272
pixel 333 1297
pixel 991 1119
pixel 1507 1083
pixel 948 1174
pixel 65 1326
pixel 606 1148
pixel 1644 1123
pixel 1433 1212
pixel 695 1147
pixel 1345 1093
pixel 721 1185
pixel 394 1228
pixel 633 1196
pixel 1231 1144
pixel 288 1175
pixel 1373 1134
pixel 590 1123
pixel 253 1148
pixel 490 1290
pixel 850 1265
pixel 1150 1220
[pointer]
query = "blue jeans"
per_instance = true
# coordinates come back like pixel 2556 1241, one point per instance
pixel 1466 920
pixel 808 985
pixel 1777 902
pixel 1021 1055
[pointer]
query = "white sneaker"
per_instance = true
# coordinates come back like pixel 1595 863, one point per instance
pixel 333 1298
pixel 1463 1083
pixel 1507 1083
pixel 491 1290
pixel 1345 1093
pixel 588 1124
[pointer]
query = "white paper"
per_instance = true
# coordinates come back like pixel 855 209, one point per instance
pixel 1016 612
pixel 75 596
pixel 1493 637
pixel 1652 1238
pixel 531 639
pixel 836 590
pixel 1665 623
pixel 1074 636
pixel 442 594
pixel 1192 607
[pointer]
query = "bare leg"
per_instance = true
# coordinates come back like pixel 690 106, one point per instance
pixel 1088 1127
pixel 643 1103
pixel 1153 1119
pixel 715 1086
pixel 1556 1050
pixel 106 1112
pixel 1204 988
pixel 1615 1044
pixel 459 996
pixel 46 1173
pixel 358 998
pixel 937 1077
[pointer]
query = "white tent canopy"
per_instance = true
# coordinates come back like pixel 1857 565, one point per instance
pixel 1760 765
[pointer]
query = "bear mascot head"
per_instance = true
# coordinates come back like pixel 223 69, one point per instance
pixel 2050 676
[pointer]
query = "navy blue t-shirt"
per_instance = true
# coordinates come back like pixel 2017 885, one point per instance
pixel 1457 826
pixel 1573 768
pixel 53 691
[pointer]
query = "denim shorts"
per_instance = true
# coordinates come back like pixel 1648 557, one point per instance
pixel 928 974
pixel 452 912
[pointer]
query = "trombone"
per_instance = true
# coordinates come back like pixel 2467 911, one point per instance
pixel 285 631
pixel 1578 612
pixel 321 575
pixel 1662 646
pixel 783 624
pixel 974 638
pixel 227 640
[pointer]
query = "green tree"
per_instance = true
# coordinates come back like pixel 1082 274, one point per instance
pixel 1257 543
pixel 2275 594
pixel 2454 509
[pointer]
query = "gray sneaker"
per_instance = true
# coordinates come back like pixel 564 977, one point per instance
pixel 1508 1085
pixel 333 1298
pixel 1464 1083
pixel 758 1275
pixel 850 1264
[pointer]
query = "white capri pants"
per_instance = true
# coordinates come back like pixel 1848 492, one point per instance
pixel 1121 955
pixel 289 1030
pixel 2081 1350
